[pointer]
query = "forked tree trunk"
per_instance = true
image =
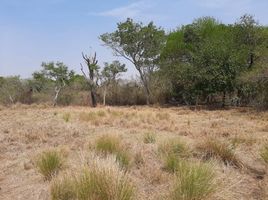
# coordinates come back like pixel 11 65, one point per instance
pixel 57 92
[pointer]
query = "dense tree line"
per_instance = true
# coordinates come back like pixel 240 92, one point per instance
pixel 205 62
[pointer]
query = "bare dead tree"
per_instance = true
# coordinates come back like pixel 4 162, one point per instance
pixel 92 76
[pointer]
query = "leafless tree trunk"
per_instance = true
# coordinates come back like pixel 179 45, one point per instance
pixel 91 63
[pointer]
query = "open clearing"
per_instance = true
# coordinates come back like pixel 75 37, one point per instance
pixel 25 131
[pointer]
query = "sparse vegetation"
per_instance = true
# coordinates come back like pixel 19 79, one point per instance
pixel 152 167
pixel 193 181
pixel 49 163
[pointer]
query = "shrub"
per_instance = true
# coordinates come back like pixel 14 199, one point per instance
pixel 264 153
pixel 49 163
pixel 220 150
pixel 149 138
pixel 193 182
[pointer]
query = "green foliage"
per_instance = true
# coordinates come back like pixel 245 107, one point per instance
pixel 12 89
pixel 140 44
pixel 49 163
pixel 193 182
pixel 205 58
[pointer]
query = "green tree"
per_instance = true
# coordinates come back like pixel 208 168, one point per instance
pixel 56 73
pixel 109 75
pixel 140 44
pixel 11 89
pixel 202 60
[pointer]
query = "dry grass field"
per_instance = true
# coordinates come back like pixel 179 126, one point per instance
pixel 149 153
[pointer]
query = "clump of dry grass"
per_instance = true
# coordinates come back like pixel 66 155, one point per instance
pixel 174 146
pixel 171 162
pixel 213 148
pixel 63 188
pixel 173 151
pixel 139 159
pixel 193 182
pixel 108 144
pixel 149 138
pixel 101 180
pixel 66 117
pixel 163 116
pixel 264 153
pixel 49 163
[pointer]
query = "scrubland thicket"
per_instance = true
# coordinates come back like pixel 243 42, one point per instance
pixel 202 63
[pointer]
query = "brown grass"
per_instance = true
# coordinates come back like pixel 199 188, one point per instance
pixel 27 130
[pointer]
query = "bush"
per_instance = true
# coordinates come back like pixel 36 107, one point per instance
pixel 49 163
pixel 149 138
pixel 220 150
pixel 193 182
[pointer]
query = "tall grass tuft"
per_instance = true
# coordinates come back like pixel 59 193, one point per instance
pixel 193 182
pixel 149 138
pixel 174 146
pixel 66 117
pixel 220 150
pixel 49 163
pixel 171 162
pixel 264 153
pixel 63 188
pixel 172 152
pixel 100 180
pixel 108 144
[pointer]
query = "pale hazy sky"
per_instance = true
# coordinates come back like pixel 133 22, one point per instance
pixel 32 31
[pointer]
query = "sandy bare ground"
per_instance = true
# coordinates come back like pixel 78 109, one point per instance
pixel 26 131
